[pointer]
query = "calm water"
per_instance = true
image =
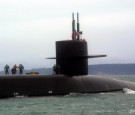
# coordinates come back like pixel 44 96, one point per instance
pixel 73 104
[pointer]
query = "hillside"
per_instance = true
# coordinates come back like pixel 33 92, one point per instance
pixel 112 69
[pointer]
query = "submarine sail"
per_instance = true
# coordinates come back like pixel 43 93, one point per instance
pixel 72 55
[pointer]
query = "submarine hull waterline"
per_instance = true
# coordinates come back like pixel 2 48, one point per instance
pixel 44 85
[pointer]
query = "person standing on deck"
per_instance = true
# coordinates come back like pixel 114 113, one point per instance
pixel 14 69
pixel 21 68
pixel 6 69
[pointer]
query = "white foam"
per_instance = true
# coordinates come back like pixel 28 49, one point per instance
pixel 128 91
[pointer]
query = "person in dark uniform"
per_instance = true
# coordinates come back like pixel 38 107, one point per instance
pixel 21 68
pixel 54 69
pixel 6 68
pixel 14 69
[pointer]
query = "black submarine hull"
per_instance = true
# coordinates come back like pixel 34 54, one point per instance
pixel 45 85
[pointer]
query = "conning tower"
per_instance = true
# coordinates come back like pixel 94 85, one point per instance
pixel 72 55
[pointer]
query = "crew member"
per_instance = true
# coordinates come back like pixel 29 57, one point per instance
pixel 14 69
pixel 54 69
pixel 6 68
pixel 21 68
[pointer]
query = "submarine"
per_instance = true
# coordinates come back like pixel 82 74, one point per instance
pixel 71 77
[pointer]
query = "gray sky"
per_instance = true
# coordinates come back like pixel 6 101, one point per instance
pixel 29 29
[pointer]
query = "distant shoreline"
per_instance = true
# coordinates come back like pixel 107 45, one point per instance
pixel 97 69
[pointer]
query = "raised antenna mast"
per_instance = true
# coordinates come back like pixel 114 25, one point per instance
pixel 73 28
pixel 78 27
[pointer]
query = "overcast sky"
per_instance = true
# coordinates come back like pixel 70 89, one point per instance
pixel 29 29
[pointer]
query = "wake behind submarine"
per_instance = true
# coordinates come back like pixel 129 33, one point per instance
pixel 72 58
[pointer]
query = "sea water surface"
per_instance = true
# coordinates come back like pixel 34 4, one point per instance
pixel 73 104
